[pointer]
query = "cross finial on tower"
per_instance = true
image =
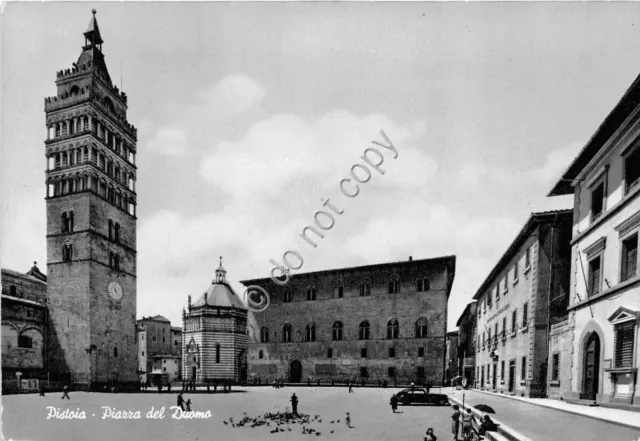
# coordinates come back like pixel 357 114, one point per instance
pixel 94 12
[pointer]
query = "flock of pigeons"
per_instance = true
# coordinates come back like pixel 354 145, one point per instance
pixel 280 421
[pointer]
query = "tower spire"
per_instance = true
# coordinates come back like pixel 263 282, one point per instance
pixel 220 273
pixel 92 34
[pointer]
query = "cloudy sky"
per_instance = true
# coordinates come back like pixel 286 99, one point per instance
pixel 248 114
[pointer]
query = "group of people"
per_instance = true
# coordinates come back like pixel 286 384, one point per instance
pixel 467 420
pixel 277 384
pixel 182 404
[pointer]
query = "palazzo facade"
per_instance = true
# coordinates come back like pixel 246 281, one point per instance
pixel 376 322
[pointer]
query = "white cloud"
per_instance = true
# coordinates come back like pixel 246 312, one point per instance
pixel 168 141
pixel 555 163
pixel 234 93
pixel 285 150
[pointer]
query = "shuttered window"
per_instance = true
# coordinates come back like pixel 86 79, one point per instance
pixel 623 341
pixel 594 276
pixel 629 258
pixel 555 367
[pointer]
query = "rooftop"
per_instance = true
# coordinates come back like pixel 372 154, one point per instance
pixel 534 220
pixel 444 259
pixel 625 107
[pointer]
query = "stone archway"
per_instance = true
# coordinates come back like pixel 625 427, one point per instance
pixel 591 368
pixel 295 371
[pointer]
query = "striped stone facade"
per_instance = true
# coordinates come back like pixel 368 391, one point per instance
pixel 214 335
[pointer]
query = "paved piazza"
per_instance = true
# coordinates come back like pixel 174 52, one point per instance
pixel 25 416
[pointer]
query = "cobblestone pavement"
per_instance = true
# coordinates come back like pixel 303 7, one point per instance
pixel 25 416
pixel 544 424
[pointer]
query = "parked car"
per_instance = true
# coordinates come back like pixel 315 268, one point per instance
pixel 420 396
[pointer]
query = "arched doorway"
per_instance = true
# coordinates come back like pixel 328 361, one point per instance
pixel 591 367
pixel 295 371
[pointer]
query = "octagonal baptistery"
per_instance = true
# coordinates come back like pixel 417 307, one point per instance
pixel 214 337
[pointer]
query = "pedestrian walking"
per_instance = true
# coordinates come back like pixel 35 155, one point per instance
pixel 208 389
pixel 65 393
pixel 467 421
pixel 350 386
pixel 169 387
pixel 294 404
pixel 189 405
pixel 42 389
pixel 413 386
pixel 180 401
pixel 455 422
pixel 430 436
pixel 394 403
pixel 159 388
pixel 347 421
pixel 428 386
pixel 229 386
pixel 215 387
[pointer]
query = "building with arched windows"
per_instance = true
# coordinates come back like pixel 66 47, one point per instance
pixel 214 335
pixel 376 322
pixel 24 326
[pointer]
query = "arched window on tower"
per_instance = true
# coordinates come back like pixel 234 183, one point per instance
pixel 264 335
pixel 393 329
pixel 311 332
pixel 110 230
pixel 363 330
pixel 115 352
pixel 421 328
pixel 336 333
pixel 64 221
pixel 260 354
pixel 286 333
pixel 117 233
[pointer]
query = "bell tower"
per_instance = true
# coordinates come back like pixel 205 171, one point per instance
pixel 91 201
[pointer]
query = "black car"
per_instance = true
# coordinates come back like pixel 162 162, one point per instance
pixel 420 396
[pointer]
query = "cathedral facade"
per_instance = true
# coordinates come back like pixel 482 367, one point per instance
pixel 91 224
pixel 214 335
pixel 384 322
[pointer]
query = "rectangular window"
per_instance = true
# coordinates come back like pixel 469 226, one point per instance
pixel 502 370
pixel 525 315
pixel 506 283
pixel 623 342
pixel 311 293
pixel 394 287
pixel 504 328
pixel 514 321
pixel 515 272
pixel 629 259
pixel 421 351
pixel 392 352
pixel 527 258
pixel 594 275
pixel 495 336
pixel 523 369
pixel 363 352
pixel 365 290
pixel 330 353
pixel 363 372
pixel 338 292
pixel 555 367
pixel 391 372
pixel 420 372
pixel 597 201
pixel 422 285
pixel 497 294
pixel 489 299
pixel 632 170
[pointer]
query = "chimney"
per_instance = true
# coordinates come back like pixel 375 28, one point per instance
pixel 410 258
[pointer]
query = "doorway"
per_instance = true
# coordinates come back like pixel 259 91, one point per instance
pixel 295 371
pixel 591 368
pixel 494 379
pixel 193 372
pixel 512 375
